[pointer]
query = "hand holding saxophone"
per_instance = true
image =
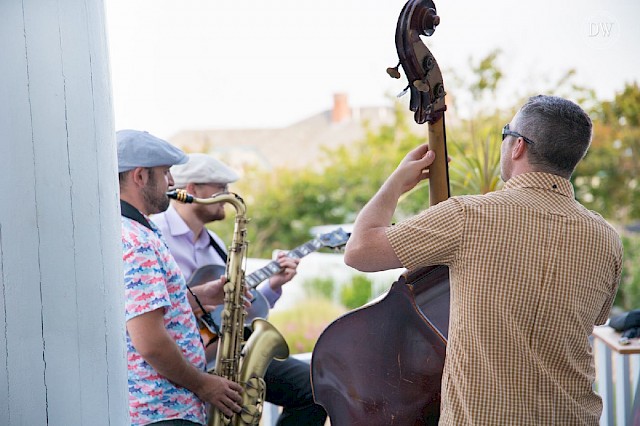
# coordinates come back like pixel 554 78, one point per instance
pixel 221 393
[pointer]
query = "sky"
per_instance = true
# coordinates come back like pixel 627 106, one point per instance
pixel 199 64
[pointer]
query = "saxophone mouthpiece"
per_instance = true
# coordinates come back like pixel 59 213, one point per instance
pixel 180 195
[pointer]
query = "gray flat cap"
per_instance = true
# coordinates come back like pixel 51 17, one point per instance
pixel 142 149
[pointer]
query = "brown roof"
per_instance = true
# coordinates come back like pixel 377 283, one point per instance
pixel 296 146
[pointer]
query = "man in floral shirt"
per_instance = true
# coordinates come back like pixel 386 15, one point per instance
pixel 168 383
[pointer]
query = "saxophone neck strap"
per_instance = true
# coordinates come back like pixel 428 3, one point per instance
pixel 217 247
pixel 130 212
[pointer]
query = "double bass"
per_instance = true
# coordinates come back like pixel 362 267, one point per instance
pixel 382 364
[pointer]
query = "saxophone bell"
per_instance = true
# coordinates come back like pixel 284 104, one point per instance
pixel 265 344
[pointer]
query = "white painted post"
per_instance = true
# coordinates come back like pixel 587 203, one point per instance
pixel 624 397
pixel 62 359
pixel 605 382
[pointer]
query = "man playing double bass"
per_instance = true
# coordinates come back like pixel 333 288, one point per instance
pixel 532 272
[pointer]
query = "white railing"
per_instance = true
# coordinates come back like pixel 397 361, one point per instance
pixel 617 373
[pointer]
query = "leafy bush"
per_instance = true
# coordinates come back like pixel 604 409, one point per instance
pixel 357 292
pixel 319 287
pixel 628 296
pixel 302 325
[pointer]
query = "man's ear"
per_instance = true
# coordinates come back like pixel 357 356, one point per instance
pixel 140 176
pixel 518 150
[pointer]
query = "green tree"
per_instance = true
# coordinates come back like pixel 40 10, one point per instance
pixel 607 179
pixel 628 296
pixel 475 142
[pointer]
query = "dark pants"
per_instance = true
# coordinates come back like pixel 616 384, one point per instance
pixel 289 386
pixel 176 422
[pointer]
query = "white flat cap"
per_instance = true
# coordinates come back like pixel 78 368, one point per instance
pixel 142 149
pixel 202 168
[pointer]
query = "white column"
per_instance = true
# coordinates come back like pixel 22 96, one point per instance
pixel 62 359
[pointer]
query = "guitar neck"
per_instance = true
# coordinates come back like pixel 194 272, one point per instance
pixel 273 267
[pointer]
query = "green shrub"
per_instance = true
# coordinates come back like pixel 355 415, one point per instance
pixel 628 296
pixel 357 292
pixel 302 325
pixel 319 287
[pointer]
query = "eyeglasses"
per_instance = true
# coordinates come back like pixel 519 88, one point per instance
pixel 221 188
pixel 506 132
pixel 217 187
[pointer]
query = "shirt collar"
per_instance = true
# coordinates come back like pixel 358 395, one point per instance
pixel 539 180
pixel 177 225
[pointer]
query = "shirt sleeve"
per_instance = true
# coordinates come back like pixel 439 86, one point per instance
pixel 617 275
pixel 432 237
pixel 269 294
pixel 144 279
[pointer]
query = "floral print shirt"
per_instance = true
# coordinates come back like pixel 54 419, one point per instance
pixel 152 281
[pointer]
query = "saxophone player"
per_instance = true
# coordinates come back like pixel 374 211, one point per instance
pixel 168 383
pixel 183 225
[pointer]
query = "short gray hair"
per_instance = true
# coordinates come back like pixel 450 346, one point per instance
pixel 561 131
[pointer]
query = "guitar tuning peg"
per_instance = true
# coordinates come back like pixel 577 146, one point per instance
pixel 393 72
pixel 404 92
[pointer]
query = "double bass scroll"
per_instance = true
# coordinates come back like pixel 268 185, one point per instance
pixel 425 85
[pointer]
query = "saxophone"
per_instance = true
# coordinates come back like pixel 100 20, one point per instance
pixel 242 362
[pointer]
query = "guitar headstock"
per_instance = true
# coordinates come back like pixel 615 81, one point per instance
pixel 335 239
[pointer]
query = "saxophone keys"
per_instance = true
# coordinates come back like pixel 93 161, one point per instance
pixel 251 414
pixel 254 387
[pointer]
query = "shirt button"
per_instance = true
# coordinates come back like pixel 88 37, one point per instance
pixel 554 186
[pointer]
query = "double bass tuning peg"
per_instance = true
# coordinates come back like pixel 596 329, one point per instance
pixel 393 72
pixel 422 85
pixel 429 21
